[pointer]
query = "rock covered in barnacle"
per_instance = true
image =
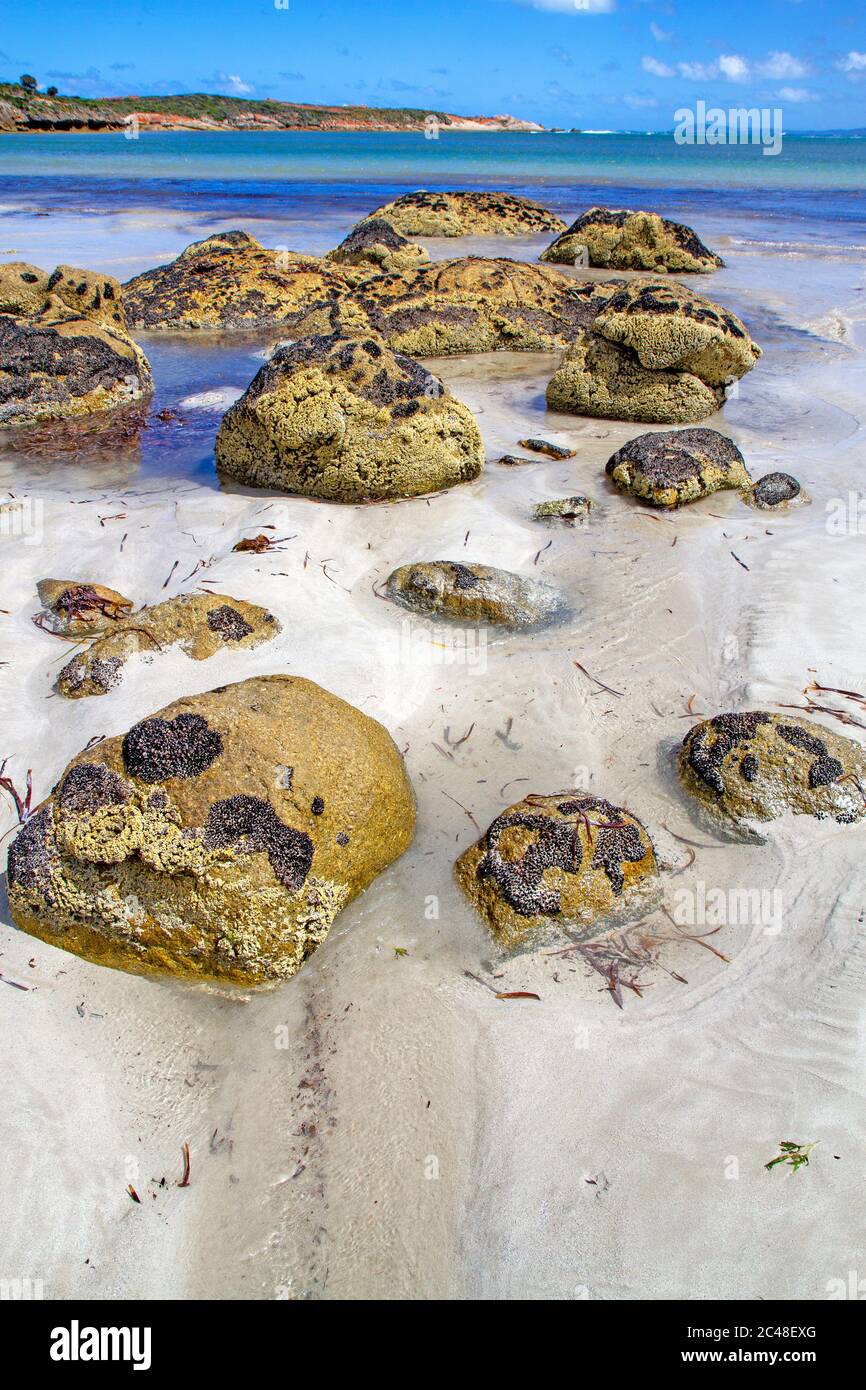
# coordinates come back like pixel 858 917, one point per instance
pixel 76 608
pixel 474 593
pixel 776 491
pixel 755 766
pixel 670 467
pixel 655 351
pixel 468 214
pixel 230 281
pixel 570 862
pixel 200 624
pixel 183 847
pixel 377 245
pixel 474 304
pixel 65 349
pixel 348 419
pixel 620 239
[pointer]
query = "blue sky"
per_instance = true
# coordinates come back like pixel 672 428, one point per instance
pixel 596 64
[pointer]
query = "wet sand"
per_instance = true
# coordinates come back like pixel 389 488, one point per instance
pixel 383 1126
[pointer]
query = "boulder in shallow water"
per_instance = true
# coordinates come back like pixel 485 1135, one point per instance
pixel 475 304
pixel 567 863
pixel 229 282
pixel 655 352
pixel 72 608
pixel 756 766
pixel 65 350
pixel 474 594
pixel 620 239
pixel 468 214
pixel 776 491
pixel 568 510
pixel 218 838
pixel 378 246
pixel 347 420
pixel 670 467
pixel 200 624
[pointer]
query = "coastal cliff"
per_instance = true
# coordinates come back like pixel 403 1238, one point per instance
pixel 25 111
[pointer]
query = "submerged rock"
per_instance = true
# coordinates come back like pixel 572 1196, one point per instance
pixel 65 349
pixel 75 609
pixel 474 593
pixel 755 766
pixel 670 467
pixel 620 239
pixel 543 446
pixel 473 304
pixel 569 862
pixel 654 352
pixel 565 509
pixel 376 244
pixel 776 490
pixel 230 281
pixel 347 419
pixel 468 214
pixel 218 838
pixel 200 624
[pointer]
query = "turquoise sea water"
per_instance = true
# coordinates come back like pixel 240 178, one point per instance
pixel 814 181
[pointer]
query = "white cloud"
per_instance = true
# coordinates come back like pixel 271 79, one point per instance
pixel 577 7
pixel 698 72
pixel 233 85
pixel 733 67
pixel 796 94
pixel 639 102
pixel 783 65
pixel 656 68
pixel 853 65
pixel 660 35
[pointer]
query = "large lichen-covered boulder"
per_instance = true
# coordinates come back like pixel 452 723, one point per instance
pixel 474 594
pixel 200 624
pixel 655 352
pixel 377 246
pixel 218 838
pixel 473 304
pixel 348 420
pixel 468 214
pixel 756 766
pixel 620 239
pixel 229 282
pixel 568 863
pixel 65 348
pixel 670 467
pixel 71 608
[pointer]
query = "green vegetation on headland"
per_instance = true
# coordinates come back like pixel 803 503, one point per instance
pixel 24 108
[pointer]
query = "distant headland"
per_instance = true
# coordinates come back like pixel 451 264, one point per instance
pixel 25 109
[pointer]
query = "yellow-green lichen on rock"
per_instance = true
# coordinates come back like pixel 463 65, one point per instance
pixel 200 624
pixel 567 863
pixel 755 766
pixel 347 419
pixel 377 246
pixel 655 352
pixel 620 239
pixel 474 304
pixel 217 839
pixel 468 214
pixel 230 282
pixel 670 467
pixel 65 349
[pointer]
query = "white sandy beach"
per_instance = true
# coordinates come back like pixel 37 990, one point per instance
pixel 383 1126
